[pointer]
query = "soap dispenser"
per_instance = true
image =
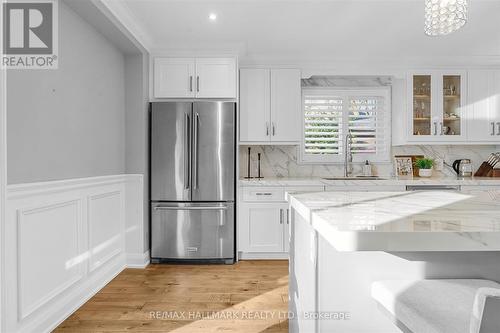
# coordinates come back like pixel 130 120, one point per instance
pixel 367 169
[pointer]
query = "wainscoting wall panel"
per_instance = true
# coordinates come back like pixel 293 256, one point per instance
pixel 106 227
pixel 43 258
pixel 64 241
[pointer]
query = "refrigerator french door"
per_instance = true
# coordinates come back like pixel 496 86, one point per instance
pixel 192 180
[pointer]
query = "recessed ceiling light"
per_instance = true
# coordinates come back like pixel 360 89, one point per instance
pixel 212 17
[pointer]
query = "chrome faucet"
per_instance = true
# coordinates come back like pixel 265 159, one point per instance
pixel 348 155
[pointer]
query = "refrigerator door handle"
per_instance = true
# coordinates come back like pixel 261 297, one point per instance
pixel 191 208
pixel 186 153
pixel 195 150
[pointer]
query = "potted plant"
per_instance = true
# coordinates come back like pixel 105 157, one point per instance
pixel 424 166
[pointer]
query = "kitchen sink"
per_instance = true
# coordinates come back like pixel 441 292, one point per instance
pixel 356 178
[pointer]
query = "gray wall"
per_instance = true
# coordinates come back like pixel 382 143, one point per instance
pixel 136 126
pixel 70 122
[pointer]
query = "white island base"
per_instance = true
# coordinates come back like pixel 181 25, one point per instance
pixel 330 280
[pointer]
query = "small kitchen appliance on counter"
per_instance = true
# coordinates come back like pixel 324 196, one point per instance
pixel 463 168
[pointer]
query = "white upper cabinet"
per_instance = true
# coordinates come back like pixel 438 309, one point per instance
pixel 437 106
pixel 194 78
pixel 174 77
pixel 215 78
pixel 285 105
pixel 270 103
pixel 484 106
pixel 255 105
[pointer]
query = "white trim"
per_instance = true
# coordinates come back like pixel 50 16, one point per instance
pixel 138 260
pixel 77 298
pixel 93 265
pixel 372 66
pixel 123 18
pixel 21 213
pixel 52 306
pixel 3 176
pixel 16 191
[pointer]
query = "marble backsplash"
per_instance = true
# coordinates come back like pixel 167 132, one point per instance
pixel 281 161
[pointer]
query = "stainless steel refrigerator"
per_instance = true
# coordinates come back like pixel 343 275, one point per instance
pixel 193 147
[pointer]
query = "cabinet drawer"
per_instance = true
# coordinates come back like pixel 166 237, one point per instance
pixel 263 194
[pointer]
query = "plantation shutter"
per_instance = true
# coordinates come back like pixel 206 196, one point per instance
pixel 367 125
pixel 329 115
pixel 323 124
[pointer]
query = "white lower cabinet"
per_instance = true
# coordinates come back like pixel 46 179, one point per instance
pixel 264 221
pixel 262 227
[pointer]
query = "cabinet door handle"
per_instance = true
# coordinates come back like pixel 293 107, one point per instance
pixel 274 129
pixel 267 128
pixel 498 124
pixel 288 216
pixel 435 128
pixel 441 129
pixel 198 83
pixel 493 128
pixel 191 83
pixel 263 193
pixel 281 216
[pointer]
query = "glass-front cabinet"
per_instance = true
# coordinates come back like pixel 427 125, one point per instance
pixel 437 106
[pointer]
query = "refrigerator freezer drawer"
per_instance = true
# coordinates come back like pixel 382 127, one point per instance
pixel 192 230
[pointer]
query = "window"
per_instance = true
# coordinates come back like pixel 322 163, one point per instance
pixel 330 114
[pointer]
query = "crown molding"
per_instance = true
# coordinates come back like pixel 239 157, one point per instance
pixel 124 19
pixel 200 49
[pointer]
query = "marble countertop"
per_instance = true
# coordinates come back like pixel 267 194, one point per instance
pixel 437 180
pixel 281 182
pixel 404 221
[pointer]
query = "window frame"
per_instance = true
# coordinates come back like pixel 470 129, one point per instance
pixel 345 93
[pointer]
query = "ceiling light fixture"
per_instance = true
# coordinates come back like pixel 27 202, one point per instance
pixel 212 17
pixel 443 17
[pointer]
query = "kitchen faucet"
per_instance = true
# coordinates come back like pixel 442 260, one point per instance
pixel 348 155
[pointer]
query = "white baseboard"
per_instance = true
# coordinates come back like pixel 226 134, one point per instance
pixel 95 228
pixel 77 299
pixel 263 255
pixel 138 260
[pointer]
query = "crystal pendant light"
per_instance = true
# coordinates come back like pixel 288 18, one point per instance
pixel 443 17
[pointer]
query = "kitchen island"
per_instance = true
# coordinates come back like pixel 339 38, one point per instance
pixel 342 242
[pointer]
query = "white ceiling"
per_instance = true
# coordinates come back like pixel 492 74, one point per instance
pixel 312 29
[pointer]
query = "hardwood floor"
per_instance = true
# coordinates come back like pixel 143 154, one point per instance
pixel 251 296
